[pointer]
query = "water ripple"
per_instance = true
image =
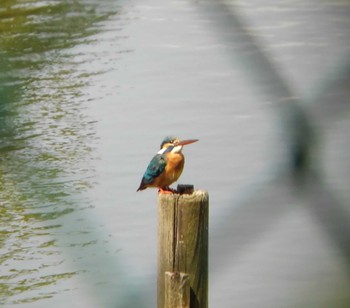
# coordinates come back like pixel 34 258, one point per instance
pixel 46 140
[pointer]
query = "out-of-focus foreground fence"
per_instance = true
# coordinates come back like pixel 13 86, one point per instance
pixel 305 202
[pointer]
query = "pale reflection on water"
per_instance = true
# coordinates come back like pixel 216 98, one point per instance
pixel 88 90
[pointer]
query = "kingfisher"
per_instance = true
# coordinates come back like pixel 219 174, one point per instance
pixel 166 166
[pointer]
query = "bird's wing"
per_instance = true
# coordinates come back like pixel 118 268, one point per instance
pixel 155 168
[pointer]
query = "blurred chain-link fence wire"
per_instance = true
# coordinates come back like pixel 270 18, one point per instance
pixel 300 183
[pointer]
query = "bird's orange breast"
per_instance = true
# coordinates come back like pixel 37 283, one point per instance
pixel 172 171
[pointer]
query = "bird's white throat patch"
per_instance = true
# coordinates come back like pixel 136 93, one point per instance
pixel 176 149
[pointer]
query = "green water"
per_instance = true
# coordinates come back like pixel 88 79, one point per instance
pixel 45 140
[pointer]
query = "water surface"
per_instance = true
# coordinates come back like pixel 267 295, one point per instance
pixel 89 89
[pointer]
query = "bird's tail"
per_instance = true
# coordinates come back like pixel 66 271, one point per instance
pixel 142 186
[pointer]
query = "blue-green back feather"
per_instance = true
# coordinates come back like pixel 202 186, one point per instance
pixel 155 168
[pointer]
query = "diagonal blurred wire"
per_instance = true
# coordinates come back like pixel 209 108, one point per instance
pixel 331 97
pixel 299 141
pixel 330 214
pixel 295 125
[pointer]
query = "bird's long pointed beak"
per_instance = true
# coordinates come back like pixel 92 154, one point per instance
pixel 189 141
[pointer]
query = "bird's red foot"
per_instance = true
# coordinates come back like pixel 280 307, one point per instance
pixel 166 190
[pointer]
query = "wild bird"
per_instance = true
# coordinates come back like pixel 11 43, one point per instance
pixel 166 166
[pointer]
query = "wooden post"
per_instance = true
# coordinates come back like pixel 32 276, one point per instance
pixel 183 249
pixel 177 290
